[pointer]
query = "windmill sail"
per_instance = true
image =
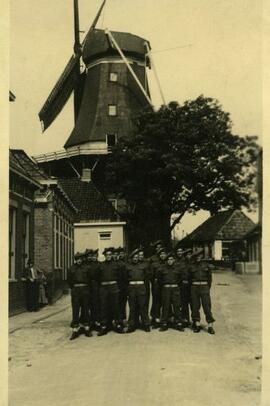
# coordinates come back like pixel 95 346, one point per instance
pixel 65 85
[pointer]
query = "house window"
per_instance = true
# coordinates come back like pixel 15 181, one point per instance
pixel 226 250
pixel 112 110
pixel 105 235
pixel 111 140
pixel 12 242
pixel 113 77
pixel 113 203
pixel 25 238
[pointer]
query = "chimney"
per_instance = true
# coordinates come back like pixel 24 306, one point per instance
pixel 86 175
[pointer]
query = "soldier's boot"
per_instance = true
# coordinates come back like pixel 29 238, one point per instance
pixel 87 332
pixel 196 327
pixel 75 334
pixel 130 329
pixel 103 331
pixel 210 329
pixel 163 327
pixel 147 329
pixel 81 330
pixel 185 323
pixel 119 329
pixel 180 327
pixel 155 323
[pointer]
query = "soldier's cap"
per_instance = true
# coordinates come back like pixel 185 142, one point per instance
pixel 95 251
pixel 187 251
pixel 157 242
pixel 134 252
pixel 78 255
pixel 107 250
pixel 116 250
pixel 197 253
pixel 160 250
pixel 170 255
pixel 121 249
pixel 88 251
pixel 178 249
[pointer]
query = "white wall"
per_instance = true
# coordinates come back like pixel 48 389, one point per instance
pixel 88 236
pixel 217 250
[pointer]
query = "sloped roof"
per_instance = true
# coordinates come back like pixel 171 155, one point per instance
pixel 255 232
pixel 225 225
pixel 29 166
pixel 91 204
pixel 16 165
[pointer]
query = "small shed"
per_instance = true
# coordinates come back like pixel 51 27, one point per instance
pixel 222 236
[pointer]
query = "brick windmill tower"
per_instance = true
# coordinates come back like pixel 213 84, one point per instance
pixel 108 75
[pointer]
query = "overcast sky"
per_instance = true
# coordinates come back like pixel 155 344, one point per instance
pixel 217 53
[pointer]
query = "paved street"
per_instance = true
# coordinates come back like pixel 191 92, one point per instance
pixel 169 368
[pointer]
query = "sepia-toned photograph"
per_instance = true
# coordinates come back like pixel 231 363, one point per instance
pixel 135 203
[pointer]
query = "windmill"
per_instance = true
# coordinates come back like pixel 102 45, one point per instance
pixel 108 92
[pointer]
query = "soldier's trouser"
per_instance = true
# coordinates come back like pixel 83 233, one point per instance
pixel 200 294
pixel 94 303
pixel 171 297
pixel 137 301
pixel 148 292
pixel 109 299
pixel 80 302
pixel 185 291
pixel 156 304
pixel 123 301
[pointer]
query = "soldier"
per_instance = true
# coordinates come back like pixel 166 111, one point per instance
pixel 170 278
pixel 146 262
pixel 123 283
pixel 109 278
pixel 156 265
pixel 183 263
pixel 78 280
pixel 201 281
pixel 94 269
pixel 137 276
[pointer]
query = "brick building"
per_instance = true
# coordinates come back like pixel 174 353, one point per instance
pixel 22 188
pixel 48 227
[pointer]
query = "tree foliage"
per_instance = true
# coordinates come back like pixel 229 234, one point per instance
pixel 183 158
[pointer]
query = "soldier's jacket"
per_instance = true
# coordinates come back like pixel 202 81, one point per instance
pixel 78 274
pixel 184 268
pixel 137 272
pixel 110 271
pixel 169 274
pixel 201 271
pixel 94 270
pixel 156 270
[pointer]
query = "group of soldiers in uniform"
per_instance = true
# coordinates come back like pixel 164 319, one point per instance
pixel 177 282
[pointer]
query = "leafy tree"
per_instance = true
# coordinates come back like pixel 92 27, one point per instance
pixel 181 158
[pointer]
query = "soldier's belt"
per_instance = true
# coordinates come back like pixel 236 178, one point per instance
pixel 136 282
pixel 200 283
pixel 78 285
pixel 170 285
pixel 108 283
pixel 185 282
